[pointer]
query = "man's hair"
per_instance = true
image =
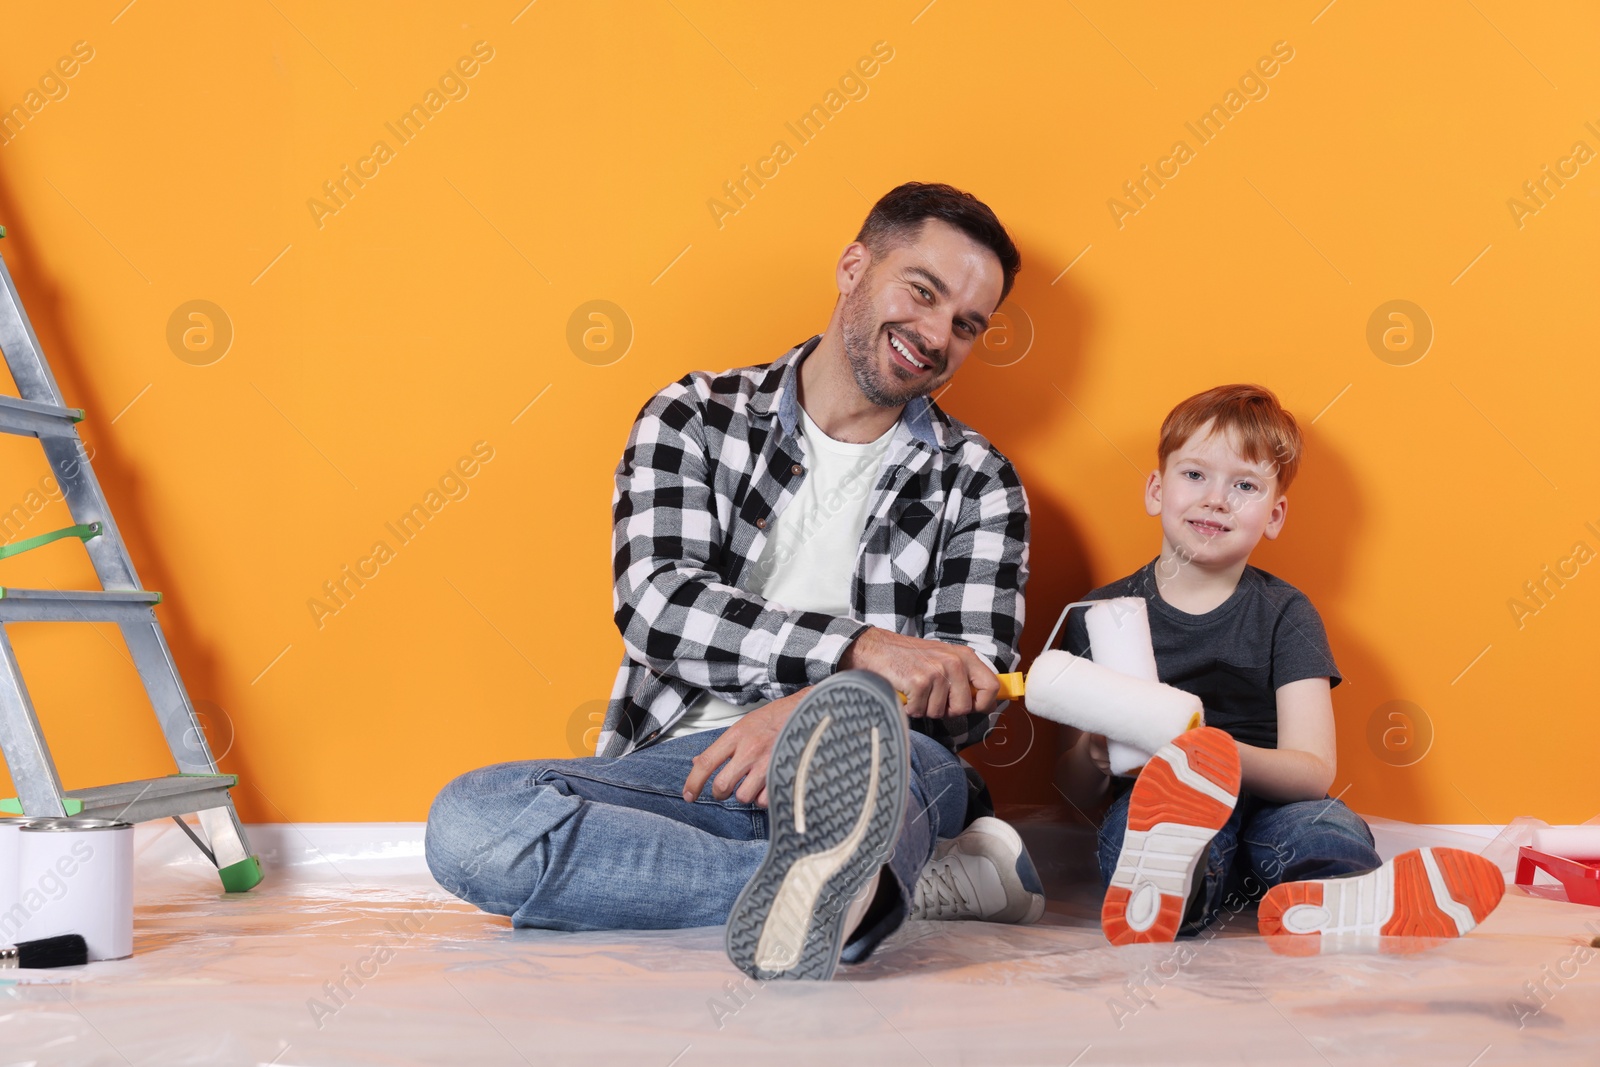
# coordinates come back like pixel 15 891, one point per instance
pixel 1251 417
pixel 898 217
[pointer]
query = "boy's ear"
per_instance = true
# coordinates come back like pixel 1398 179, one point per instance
pixel 1152 493
pixel 1280 511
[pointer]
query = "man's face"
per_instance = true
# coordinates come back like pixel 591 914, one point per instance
pixel 911 316
pixel 1215 505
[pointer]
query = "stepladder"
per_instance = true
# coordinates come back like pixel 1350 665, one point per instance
pixel 197 788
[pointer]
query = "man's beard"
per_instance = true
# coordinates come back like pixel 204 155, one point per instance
pixel 861 349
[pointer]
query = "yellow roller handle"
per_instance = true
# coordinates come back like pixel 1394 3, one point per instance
pixel 1011 687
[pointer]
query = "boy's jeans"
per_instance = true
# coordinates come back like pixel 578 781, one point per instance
pixel 608 843
pixel 1260 846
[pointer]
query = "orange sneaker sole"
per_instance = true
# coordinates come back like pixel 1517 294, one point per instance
pixel 1427 893
pixel 1184 795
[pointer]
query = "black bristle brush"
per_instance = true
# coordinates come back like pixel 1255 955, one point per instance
pixel 67 950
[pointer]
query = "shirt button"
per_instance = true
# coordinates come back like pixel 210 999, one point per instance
pixel 797 469
pixel 761 524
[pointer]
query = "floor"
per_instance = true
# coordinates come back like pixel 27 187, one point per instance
pixel 252 980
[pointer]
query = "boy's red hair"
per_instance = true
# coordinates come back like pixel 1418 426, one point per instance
pixel 1254 421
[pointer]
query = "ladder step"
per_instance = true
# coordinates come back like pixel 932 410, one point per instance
pixel 30 418
pixel 76 605
pixel 148 798
pixel 38 409
pixel 144 800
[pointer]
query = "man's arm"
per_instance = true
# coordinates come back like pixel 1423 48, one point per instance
pixel 675 613
pixel 976 604
pixel 1303 764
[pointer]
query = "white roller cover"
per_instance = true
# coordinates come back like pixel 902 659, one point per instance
pixel 1119 638
pixel 1571 842
pixel 1079 692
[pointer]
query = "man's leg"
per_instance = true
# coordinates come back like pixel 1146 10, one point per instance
pixel 595 843
pixel 856 804
pixel 937 806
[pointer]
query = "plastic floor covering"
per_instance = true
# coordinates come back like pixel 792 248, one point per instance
pixel 255 979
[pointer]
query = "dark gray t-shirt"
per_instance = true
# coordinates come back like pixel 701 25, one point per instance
pixel 1235 656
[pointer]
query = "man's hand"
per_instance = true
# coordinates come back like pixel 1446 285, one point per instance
pixel 742 752
pixel 937 677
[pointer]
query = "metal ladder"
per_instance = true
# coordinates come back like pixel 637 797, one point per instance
pixel 198 787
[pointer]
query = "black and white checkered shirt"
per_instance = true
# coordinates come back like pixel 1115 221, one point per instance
pixel 711 462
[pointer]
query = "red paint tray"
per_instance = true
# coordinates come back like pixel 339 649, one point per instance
pixel 1580 877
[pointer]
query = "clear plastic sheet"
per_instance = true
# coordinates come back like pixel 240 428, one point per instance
pixel 254 980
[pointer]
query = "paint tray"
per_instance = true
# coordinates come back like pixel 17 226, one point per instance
pixel 1581 878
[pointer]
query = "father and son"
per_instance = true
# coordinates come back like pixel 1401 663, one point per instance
pixel 818 578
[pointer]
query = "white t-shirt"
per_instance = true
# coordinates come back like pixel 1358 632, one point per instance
pixel 810 555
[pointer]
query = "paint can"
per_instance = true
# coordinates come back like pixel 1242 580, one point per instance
pixel 76 877
pixel 10 879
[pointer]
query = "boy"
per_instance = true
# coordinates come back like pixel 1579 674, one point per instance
pixel 1247 793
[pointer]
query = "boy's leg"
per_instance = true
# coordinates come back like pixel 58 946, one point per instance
pixel 1306 839
pixel 1213 880
pixel 1330 888
pixel 1108 836
pixel 595 842
pixel 1167 854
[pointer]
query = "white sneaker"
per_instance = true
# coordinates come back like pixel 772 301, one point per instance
pixel 983 873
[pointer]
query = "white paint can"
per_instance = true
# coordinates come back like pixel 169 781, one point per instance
pixel 76 877
pixel 10 878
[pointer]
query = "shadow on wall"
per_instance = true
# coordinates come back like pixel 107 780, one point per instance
pixel 1314 553
pixel 1015 405
pixel 52 321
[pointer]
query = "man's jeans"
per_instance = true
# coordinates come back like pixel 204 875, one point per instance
pixel 1261 845
pixel 609 843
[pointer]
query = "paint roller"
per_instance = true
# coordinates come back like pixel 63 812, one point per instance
pixel 1571 842
pixel 1117 694
pixel 1137 716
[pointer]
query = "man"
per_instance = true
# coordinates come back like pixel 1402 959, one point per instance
pixel 793 544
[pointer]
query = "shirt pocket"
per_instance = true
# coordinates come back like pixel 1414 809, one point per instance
pixel 1242 689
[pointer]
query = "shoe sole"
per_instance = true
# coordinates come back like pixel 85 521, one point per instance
pixel 837 791
pixel 1184 795
pixel 1425 893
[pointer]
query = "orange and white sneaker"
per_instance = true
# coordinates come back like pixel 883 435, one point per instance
pixel 1427 893
pixel 1184 795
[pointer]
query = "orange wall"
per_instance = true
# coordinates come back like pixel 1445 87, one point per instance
pixel 375 346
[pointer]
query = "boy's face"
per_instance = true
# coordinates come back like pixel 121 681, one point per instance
pixel 1215 505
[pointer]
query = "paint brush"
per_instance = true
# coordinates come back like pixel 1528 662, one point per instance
pixel 66 950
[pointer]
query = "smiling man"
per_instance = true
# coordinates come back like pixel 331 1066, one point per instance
pixel 794 542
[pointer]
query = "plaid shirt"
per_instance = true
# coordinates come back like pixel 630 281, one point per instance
pixel 710 464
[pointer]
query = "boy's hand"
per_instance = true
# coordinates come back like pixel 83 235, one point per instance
pixel 1099 754
pixel 938 678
